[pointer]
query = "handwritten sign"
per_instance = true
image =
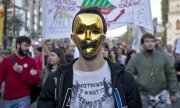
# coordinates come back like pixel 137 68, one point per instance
pixel 58 15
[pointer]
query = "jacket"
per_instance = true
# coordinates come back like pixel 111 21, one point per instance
pixel 46 71
pixel 153 73
pixel 177 67
pixel 53 96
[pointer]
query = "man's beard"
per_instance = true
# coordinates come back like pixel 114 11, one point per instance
pixel 22 53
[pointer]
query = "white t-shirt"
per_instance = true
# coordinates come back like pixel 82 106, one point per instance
pixel 92 89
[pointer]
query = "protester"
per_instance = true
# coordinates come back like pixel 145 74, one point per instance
pixel 18 75
pixel 114 55
pixel 56 57
pixel 106 51
pixel 90 80
pixel 47 46
pixel 121 55
pixel 69 54
pixel 38 51
pixel 153 73
pixel 129 55
pixel 158 44
pixel 170 54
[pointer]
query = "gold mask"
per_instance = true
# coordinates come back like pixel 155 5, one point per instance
pixel 88 33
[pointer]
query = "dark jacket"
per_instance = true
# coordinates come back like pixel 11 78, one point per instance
pixel 177 67
pixel 121 80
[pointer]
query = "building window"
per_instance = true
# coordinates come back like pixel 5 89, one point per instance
pixel 178 25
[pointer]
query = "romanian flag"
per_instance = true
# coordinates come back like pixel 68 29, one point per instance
pixel 1 24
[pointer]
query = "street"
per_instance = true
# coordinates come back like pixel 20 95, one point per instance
pixel 174 105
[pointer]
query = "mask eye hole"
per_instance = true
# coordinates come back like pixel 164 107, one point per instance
pixel 95 31
pixel 79 32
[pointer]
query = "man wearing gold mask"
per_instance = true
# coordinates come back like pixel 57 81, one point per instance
pixel 90 81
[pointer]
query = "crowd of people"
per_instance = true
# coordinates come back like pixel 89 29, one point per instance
pixel 123 77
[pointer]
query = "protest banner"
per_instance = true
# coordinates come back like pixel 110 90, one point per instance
pixel 58 15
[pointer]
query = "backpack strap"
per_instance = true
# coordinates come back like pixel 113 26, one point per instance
pixel 13 59
pixel 119 92
pixel 122 94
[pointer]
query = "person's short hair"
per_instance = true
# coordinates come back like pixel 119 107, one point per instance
pixel 93 10
pixel 21 39
pixel 39 49
pixel 47 40
pixel 145 36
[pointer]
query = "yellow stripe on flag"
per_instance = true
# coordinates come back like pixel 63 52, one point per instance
pixel 1 24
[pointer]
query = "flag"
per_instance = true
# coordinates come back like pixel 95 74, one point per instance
pixel 58 15
pixel 1 24
pixel 137 33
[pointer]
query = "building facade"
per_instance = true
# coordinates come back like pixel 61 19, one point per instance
pixel 173 25
pixel 33 16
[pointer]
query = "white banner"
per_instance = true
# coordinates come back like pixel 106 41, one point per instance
pixel 58 15
pixel 137 33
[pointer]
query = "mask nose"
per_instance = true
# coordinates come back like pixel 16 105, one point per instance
pixel 88 35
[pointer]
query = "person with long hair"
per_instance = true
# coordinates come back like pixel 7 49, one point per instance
pixel 114 56
pixel 129 54
pixel 106 51
pixel 56 57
